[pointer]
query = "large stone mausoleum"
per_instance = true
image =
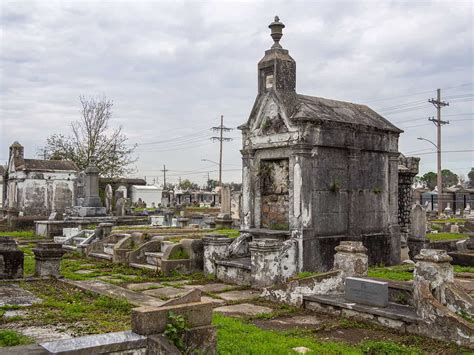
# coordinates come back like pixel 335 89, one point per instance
pixel 316 170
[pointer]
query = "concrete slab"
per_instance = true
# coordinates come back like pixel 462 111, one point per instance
pixel 44 333
pixel 113 291
pixel 243 309
pixel 84 272
pixel 213 288
pixel 239 295
pixel 144 286
pixel 166 292
pixel 15 313
pixel 13 294
pixel 215 301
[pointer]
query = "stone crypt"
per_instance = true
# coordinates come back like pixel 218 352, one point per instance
pixel 315 172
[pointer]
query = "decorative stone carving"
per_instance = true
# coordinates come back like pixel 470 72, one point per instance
pixel 351 258
pixel 216 247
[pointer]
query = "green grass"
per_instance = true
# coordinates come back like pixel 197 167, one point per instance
pixel 12 338
pixel 81 311
pixel 445 236
pixel 305 274
pixel 231 233
pixel 396 273
pixel 459 268
pixel 451 220
pixel 20 234
pixel 234 336
pixel 28 260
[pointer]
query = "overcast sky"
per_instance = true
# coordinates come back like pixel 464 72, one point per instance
pixel 172 68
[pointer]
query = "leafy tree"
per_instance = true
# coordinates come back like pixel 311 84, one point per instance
pixel 429 179
pixel 212 184
pixel 470 175
pixel 93 138
pixel 188 185
pixel 449 178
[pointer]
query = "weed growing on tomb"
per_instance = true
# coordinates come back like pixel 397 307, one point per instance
pixel 12 338
pixel 175 329
pixel 179 255
pixel 396 273
pixel 231 233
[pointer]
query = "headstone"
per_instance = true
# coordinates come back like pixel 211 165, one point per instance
pixel 120 207
pixel 418 222
pixel 108 198
pixel 225 200
pixel 448 211
pixel 368 292
pixel 54 216
pixel 467 210
pixel 454 228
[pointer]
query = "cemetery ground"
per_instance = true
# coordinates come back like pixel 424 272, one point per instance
pixel 76 306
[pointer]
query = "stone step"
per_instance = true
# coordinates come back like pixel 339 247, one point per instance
pixel 144 266
pixel 240 263
pixel 335 303
pixel 101 256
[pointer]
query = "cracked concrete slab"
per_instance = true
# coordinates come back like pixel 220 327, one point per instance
pixel 13 294
pixel 239 295
pixel 243 309
pixel 213 288
pixel 165 292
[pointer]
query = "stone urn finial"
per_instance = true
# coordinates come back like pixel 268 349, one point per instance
pixel 277 31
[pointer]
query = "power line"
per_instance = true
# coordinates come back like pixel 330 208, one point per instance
pixel 221 129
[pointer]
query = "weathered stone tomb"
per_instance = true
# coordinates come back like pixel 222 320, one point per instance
pixel 319 170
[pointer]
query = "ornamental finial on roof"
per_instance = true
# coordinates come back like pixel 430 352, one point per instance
pixel 276 28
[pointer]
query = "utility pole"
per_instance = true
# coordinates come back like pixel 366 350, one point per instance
pixel 221 129
pixel 438 123
pixel 164 177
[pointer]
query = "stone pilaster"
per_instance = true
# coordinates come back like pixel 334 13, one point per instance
pixel 393 227
pixel 216 247
pixel 265 261
pixel 48 259
pixel 248 190
pixel 353 166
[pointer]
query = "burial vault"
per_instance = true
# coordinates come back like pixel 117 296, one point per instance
pixel 319 170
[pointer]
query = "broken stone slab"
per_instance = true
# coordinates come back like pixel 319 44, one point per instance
pixel 13 295
pixel 243 309
pixel 165 292
pixel 190 296
pixel 113 291
pixel 213 288
pixel 98 343
pixel 144 286
pixel 239 295
pixel 153 320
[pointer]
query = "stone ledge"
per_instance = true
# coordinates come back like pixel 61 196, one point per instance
pixel 392 311
pixel 96 344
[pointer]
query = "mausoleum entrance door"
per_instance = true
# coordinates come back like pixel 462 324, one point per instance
pixel 274 185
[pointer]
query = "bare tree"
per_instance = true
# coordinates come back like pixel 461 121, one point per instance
pixel 92 137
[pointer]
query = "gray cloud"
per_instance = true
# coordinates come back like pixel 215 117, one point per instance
pixel 173 67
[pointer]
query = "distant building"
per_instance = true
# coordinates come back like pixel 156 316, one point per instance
pixel 149 194
pixel 38 187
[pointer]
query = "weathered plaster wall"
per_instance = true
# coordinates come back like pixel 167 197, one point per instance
pixel 35 193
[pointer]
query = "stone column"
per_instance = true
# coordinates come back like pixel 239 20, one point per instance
pixel 265 261
pixel 216 247
pixel 92 198
pixel 247 218
pixel 351 258
pixel 393 227
pixel 48 259
pixel 433 266
pixel 302 200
